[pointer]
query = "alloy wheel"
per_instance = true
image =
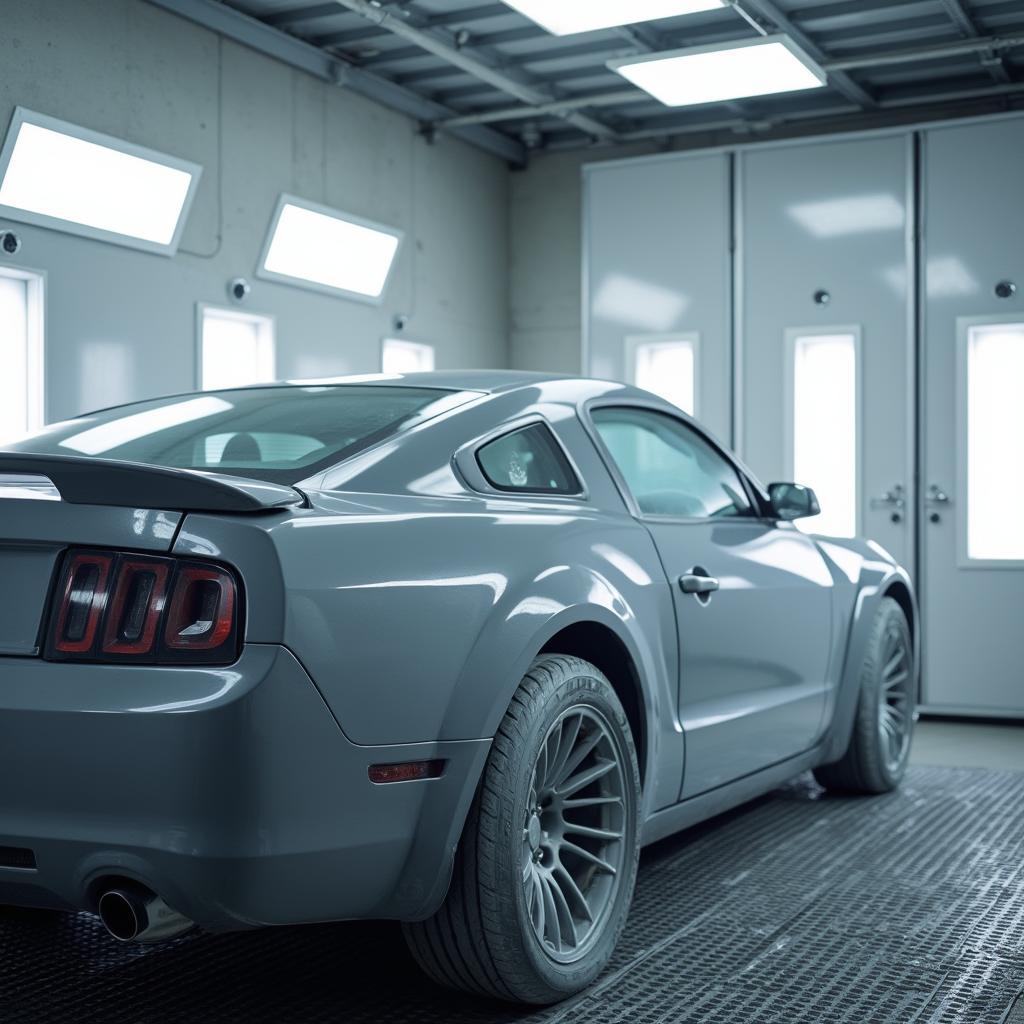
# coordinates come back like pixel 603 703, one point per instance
pixel 573 844
pixel 895 705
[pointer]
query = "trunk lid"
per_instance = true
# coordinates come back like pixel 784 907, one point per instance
pixel 49 503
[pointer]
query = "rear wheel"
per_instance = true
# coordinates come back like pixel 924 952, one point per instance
pixel 545 869
pixel 876 758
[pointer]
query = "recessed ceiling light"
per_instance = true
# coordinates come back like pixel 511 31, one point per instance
pixel 329 250
pixel 709 74
pixel 61 176
pixel 564 17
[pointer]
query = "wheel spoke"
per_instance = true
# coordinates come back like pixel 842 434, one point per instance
pixel 892 682
pixel 592 858
pixel 551 930
pixel 569 883
pixel 563 912
pixel 592 833
pixel 893 663
pixel 579 755
pixel 566 742
pixel 591 801
pixel 585 778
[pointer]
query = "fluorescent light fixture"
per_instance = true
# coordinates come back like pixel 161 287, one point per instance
pixel 709 74
pixel 325 249
pixel 61 176
pixel 564 17
pixel 849 215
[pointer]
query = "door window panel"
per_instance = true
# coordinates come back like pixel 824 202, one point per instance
pixel 236 349
pixel 665 366
pixel 824 441
pixel 669 468
pixel 995 441
pixel 21 354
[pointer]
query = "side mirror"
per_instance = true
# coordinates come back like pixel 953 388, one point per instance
pixel 793 501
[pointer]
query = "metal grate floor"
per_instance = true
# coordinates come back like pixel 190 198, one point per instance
pixel 796 908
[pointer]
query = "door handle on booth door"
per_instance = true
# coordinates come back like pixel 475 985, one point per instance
pixel 691 583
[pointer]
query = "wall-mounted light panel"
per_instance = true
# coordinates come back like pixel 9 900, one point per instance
pixel 61 176
pixel 717 71
pixel 328 250
pixel 21 354
pixel 400 356
pixel 566 17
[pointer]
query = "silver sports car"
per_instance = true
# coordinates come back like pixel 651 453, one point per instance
pixel 446 648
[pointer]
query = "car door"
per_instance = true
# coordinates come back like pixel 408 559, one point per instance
pixel 752 597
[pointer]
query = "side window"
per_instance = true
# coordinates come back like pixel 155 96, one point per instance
pixel 670 469
pixel 529 460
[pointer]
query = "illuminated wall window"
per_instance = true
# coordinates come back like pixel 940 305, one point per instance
pixel 824 425
pixel 235 348
pixel 400 356
pixel 994 442
pixel 665 365
pixel 61 176
pixel 21 353
pixel 317 247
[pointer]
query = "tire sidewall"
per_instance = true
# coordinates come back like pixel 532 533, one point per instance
pixel 889 614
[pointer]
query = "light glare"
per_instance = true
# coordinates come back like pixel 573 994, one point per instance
pixel 825 429
pixel 995 439
pixel 667 369
pixel 709 75
pixel 54 174
pixel 635 303
pixel 849 215
pixel 330 251
pixel 565 17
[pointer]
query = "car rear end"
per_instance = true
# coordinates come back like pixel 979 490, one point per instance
pixel 164 757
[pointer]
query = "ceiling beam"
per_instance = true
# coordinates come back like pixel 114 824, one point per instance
pixel 634 95
pixel 466 17
pixel 298 54
pixel 965 23
pixel 521 86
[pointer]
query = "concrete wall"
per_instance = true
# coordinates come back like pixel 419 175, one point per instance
pixel 121 324
pixel 545 253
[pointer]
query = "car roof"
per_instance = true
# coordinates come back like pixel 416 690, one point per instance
pixel 483 381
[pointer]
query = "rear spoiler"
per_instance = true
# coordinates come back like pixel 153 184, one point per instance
pixel 85 481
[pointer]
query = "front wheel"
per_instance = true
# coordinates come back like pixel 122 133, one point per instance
pixel 545 869
pixel 876 758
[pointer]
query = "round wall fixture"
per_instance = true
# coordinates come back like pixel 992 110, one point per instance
pixel 239 288
pixel 10 243
pixel 822 297
pixel 1005 289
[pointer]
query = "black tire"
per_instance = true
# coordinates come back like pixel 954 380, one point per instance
pixel 871 763
pixel 484 939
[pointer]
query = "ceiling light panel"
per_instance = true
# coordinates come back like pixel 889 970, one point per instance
pixel 59 175
pixel 565 17
pixel 710 74
pixel 317 247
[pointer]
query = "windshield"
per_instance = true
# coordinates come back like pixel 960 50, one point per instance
pixel 282 433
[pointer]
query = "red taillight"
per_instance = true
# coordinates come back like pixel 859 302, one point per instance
pixel 202 613
pixel 83 594
pixel 144 609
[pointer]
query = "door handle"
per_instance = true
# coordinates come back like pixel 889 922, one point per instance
pixel 894 499
pixel 693 583
pixel 937 498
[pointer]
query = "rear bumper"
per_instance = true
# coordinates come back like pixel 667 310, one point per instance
pixel 231 792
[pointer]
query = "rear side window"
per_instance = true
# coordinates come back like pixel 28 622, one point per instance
pixel 528 460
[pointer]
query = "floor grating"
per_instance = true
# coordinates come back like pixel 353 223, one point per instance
pixel 797 909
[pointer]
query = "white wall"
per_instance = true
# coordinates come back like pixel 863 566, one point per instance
pixel 121 324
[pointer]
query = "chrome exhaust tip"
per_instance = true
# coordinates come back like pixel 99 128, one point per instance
pixel 133 913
